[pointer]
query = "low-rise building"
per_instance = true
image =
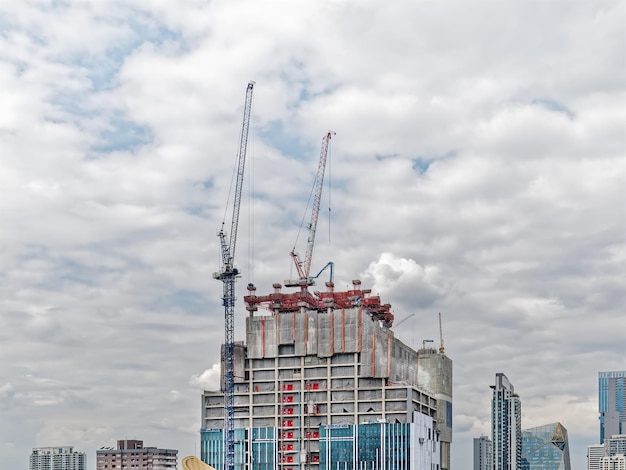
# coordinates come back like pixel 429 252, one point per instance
pixel 132 455
pixel 614 462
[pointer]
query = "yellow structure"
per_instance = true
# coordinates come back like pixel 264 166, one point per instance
pixel 194 463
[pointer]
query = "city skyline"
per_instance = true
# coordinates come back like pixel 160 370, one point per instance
pixel 477 170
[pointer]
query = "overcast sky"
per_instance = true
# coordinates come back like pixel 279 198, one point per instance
pixel 478 170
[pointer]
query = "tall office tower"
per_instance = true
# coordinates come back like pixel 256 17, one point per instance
pixel 434 373
pixel 57 458
pixel 322 383
pixel 595 453
pixel 483 453
pixel 506 425
pixel 132 455
pixel 545 447
pixel 612 403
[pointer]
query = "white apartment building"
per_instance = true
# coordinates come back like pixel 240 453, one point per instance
pixel 615 462
pixel 615 445
pixel 595 454
pixel 57 458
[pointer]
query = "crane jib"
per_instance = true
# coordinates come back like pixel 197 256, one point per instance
pixel 304 267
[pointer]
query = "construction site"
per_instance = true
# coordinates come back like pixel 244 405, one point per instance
pixel 321 381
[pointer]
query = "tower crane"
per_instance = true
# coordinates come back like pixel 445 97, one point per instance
pixel 403 320
pixel 304 267
pixel 228 274
pixel 441 348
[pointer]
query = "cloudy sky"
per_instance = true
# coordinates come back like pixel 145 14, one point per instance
pixel 478 170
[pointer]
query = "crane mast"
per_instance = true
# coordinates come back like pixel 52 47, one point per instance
pixel 304 268
pixel 228 274
pixel 441 347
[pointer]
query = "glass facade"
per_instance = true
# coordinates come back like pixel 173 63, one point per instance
pixel 545 448
pixel 365 446
pixel 212 447
pixel 612 403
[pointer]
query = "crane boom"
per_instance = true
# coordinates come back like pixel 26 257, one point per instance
pixel 403 320
pixel 228 274
pixel 304 268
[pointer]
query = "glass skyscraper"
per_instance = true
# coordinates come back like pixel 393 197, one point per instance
pixel 506 425
pixel 545 448
pixel 612 403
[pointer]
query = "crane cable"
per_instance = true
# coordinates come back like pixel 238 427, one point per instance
pixel 329 187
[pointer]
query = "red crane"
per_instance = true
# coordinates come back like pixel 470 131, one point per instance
pixel 304 267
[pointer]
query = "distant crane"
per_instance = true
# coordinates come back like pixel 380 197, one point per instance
pixel 403 320
pixel 228 274
pixel 441 348
pixel 304 267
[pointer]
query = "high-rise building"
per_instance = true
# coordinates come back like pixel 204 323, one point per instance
pixel 506 425
pixel 434 373
pixel 545 448
pixel 483 453
pixel 132 455
pixel 612 403
pixel 322 383
pixel 57 458
pixel 595 453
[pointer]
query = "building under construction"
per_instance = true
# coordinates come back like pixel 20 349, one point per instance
pixel 322 382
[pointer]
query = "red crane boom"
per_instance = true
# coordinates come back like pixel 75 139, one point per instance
pixel 304 268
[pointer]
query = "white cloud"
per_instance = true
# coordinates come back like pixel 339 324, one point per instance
pixel 175 396
pixel 6 391
pixel 208 380
pixel 394 277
